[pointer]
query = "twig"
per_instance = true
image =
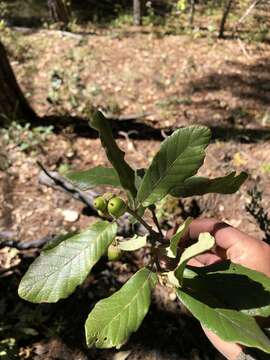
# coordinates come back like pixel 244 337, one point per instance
pixel 144 223
pixel 8 271
pixel 163 133
pixel 129 117
pixel 154 236
pixel 247 12
pixel 55 180
pixel 243 48
pixel 156 221
pixel 131 145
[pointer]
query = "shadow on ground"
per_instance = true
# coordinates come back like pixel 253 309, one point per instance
pixel 246 82
pixel 144 131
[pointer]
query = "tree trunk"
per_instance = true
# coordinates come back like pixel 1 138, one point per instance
pixel 59 11
pixel 137 12
pixel 13 104
pixel 226 11
pixel 191 13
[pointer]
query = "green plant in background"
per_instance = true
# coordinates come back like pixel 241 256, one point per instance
pixel 3 10
pixel 67 93
pixel 151 18
pixel 262 33
pixel 16 45
pixel 25 138
pixel 181 5
pixel 8 349
pixel 224 297
pixel 123 19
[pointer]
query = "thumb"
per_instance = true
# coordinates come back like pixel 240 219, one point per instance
pixel 231 351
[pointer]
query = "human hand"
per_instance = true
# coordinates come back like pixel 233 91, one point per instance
pixel 236 246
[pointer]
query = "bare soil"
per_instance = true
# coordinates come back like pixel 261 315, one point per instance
pixel 176 81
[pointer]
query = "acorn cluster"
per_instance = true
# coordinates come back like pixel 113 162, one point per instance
pixel 116 207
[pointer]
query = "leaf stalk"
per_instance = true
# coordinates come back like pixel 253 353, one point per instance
pixel 140 219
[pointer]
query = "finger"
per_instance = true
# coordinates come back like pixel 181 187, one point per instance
pixel 225 235
pixel 239 247
pixel 230 350
pixel 195 262
pixel 207 259
pixel 220 252
pixel 204 260
pixel 171 232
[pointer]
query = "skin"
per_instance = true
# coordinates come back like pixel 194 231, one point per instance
pixel 236 246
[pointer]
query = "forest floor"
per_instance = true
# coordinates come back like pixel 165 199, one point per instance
pixel 174 81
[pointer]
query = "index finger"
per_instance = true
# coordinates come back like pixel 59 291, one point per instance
pixel 233 244
pixel 226 236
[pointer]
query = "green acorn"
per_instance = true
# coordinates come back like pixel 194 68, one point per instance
pixel 117 207
pixel 100 204
pixel 114 253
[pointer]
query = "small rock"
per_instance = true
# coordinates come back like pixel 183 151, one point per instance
pixel 70 215
pixel 121 355
pixel 172 296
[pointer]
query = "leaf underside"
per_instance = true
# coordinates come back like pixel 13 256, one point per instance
pixel 205 243
pixel 197 185
pixel 114 154
pixel 229 325
pixel 96 176
pixel 231 286
pixel 180 156
pixel 58 271
pixel 133 244
pixel 115 318
pixel 174 241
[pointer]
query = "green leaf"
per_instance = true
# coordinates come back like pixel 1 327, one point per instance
pixel 57 240
pixel 91 178
pixel 115 318
pixel 134 243
pixel 115 155
pixel 139 174
pixel 205 243
pixel 197 185
pixel 57 272
pixel 174 241
pixel 229 325
pixel 231 286
pixel 180 156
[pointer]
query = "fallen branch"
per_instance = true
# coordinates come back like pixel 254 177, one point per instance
pixel 6 235
pixel 243 48
pixel 26 245
pixel 58 182
pixel 29 30
pixel 55 180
